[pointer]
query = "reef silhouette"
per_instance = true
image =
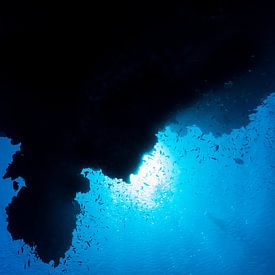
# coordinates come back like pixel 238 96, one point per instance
pixel 91 86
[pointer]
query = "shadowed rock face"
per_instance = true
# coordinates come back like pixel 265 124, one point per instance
pixel 91 86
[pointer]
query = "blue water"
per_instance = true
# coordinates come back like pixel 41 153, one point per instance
pixel 200 203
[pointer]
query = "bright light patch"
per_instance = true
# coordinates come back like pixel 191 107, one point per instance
pixel 153 182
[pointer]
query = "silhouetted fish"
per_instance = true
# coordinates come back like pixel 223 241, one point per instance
pixel 238 161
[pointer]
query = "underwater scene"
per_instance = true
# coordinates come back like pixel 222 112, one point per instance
pixel 201 202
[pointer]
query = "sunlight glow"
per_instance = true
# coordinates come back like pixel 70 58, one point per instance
pixel 149 187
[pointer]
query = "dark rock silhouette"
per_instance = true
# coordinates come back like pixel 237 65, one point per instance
pixel 89 87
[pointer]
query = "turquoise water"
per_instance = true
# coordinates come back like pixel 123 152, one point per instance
pixel 200 203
